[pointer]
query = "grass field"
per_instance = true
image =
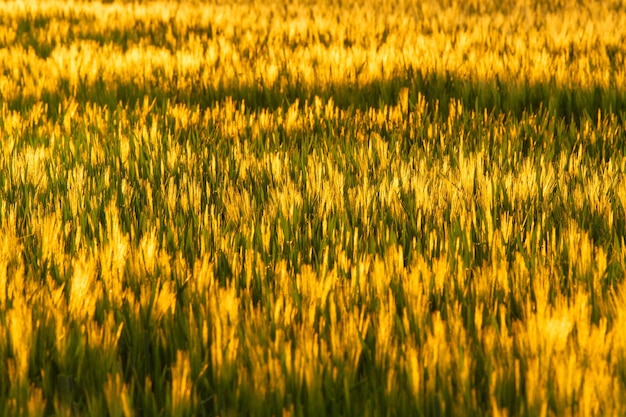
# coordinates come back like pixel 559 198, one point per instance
pixel 313 208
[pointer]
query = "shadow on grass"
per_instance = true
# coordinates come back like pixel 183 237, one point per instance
pixel 492 95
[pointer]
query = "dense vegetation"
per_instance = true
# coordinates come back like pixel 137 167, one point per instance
pixel 313 208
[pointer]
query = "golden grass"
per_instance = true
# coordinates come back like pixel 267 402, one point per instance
pixel 418 256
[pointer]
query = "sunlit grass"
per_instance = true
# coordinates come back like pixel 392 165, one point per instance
pixel 290 209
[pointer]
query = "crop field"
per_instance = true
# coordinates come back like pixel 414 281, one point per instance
pixel 296 208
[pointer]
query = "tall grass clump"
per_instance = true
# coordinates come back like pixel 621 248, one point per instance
pixel 411 208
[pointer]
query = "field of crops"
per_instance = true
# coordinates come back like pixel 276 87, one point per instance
pixel 313 208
